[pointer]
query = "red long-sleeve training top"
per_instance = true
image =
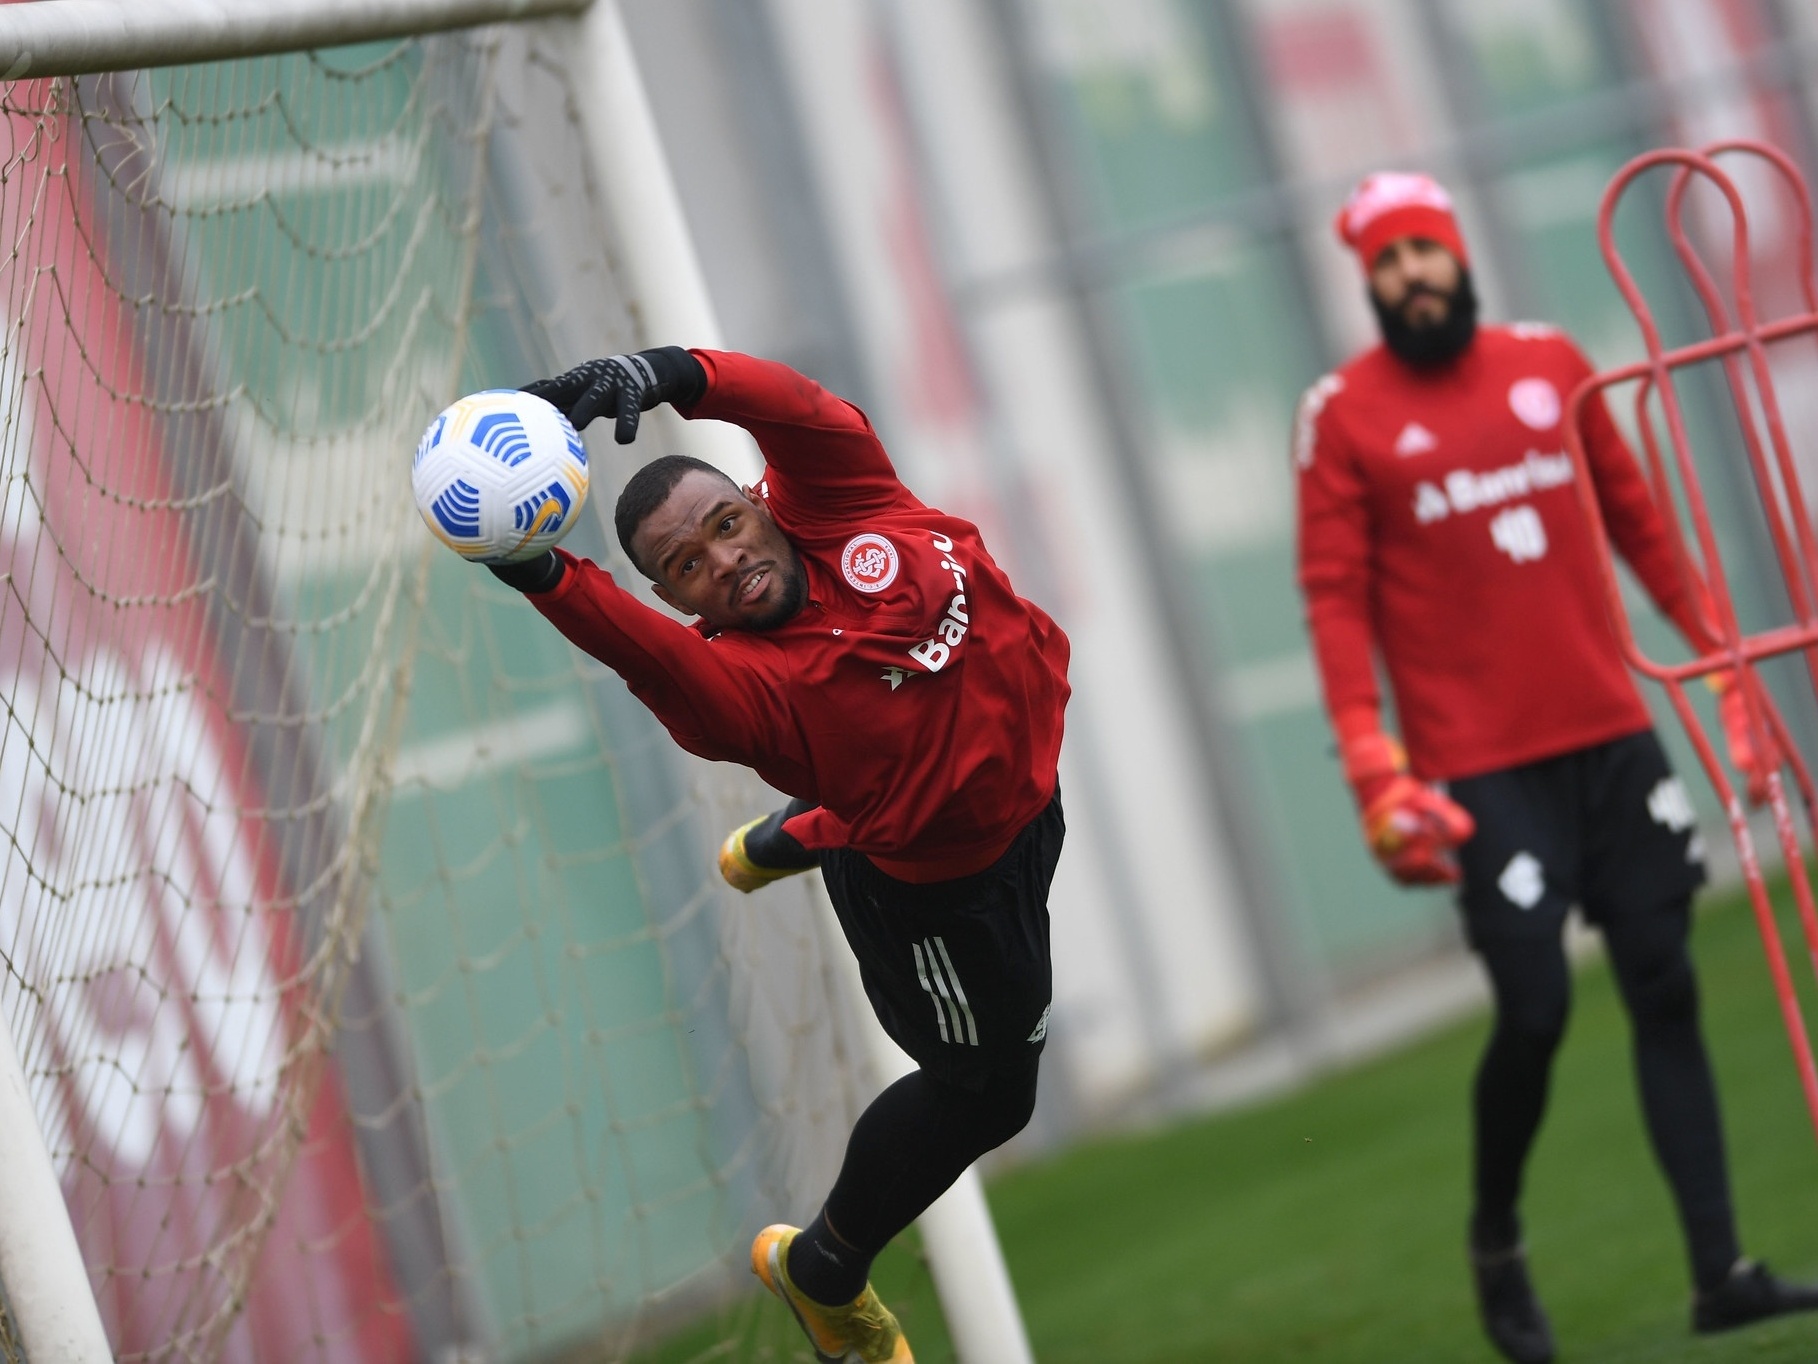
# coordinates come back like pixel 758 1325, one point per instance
pixel 1439 527
pixel 916 698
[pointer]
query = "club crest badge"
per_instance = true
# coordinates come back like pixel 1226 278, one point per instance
pixel 869 562
pixel 1536 403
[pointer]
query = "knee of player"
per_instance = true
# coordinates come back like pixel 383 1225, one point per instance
pixel 1019 1113
pixel 1652 961
pixel 1013 1104
pixel 1666 994
pixel 1538 1021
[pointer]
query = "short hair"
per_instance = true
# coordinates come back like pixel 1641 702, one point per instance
pixel 647 490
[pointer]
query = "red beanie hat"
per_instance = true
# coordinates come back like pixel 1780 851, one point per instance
pixel 1391 204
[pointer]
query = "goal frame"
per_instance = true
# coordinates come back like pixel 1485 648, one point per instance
pixel 41 1264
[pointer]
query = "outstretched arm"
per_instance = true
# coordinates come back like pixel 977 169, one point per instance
pixel 714 704
pixel 823 447
pixel 822 454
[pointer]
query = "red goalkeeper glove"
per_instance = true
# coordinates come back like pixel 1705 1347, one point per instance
pixel 1411 828
pixel 1754 765
pixel 1695 613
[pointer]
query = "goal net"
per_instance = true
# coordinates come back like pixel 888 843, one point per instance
pixel 360 939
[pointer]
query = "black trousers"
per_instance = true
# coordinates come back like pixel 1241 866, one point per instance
pixel 959 974
pixel 1610 829
pixel 958 971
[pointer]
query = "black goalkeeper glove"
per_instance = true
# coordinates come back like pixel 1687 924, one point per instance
pixel 625 385
pixel 541 574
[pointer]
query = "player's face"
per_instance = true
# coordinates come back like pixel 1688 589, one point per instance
pixel 717 554
pixel 1417 279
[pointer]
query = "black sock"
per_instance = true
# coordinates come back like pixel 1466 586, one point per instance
pixel 906 1148
pixel 824 1267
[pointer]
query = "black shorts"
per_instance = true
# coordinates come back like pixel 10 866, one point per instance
pixel 1608 828
pixel 957 971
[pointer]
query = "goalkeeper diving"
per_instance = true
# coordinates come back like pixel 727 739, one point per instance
pixel 862 653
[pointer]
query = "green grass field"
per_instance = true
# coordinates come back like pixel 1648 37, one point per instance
pixel 1328 1227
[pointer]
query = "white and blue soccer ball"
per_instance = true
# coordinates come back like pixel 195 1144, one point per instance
pixel 500 476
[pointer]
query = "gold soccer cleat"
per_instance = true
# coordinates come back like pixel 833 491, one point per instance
pixel 862 1332
pixel 740 871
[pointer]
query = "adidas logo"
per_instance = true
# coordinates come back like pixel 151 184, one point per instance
pixel 1041 1024
pixel 1415 439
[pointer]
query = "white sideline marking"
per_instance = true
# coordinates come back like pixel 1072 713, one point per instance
pixel 454 760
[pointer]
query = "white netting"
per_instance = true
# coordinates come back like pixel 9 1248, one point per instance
pixel 361 939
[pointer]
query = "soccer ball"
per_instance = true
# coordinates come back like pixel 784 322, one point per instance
pixel 500 476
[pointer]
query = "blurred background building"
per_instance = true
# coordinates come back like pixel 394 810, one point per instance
pixel 287 783
pixel 1075 258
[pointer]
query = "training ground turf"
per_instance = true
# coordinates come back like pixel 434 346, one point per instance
pixel 1328 1227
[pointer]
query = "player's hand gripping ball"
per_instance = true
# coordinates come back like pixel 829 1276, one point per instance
pixel 500 476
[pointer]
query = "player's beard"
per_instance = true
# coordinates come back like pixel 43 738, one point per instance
pixel 1434 344
pixel 792 596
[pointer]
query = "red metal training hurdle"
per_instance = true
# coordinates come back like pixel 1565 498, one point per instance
pixel 1738 344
